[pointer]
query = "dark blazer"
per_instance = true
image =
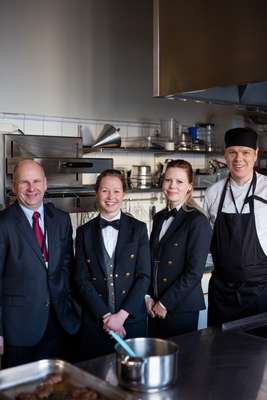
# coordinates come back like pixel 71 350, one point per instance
pixel 27 287
pixel 131 272
pixel 181 256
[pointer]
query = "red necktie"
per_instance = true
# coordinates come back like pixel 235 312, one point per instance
pixel 39 234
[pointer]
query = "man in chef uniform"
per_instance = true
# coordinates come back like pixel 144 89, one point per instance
pixel 237 209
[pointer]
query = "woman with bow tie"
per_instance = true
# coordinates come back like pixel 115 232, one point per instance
pixel 112 271
pixel 180 242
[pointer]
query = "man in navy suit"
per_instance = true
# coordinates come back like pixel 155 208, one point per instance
pixel 37 311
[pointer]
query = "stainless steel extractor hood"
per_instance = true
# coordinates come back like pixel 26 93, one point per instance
pixel 211 51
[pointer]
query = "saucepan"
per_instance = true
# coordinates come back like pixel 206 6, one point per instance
pixel 153 368
pixel 140 176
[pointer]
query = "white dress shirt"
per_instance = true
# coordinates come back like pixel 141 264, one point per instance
pixel 167 223
pixel 213 195
pixel 110 235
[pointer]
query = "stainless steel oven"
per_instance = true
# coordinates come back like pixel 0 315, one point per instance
pixel 61 158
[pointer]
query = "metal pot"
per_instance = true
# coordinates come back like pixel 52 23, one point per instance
pixel 141 177
pixel 154 368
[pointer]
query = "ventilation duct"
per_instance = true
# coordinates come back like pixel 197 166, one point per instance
pixel 211 52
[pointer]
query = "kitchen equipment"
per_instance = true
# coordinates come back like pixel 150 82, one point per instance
pixel 217 72
pixel 193 133
pixel 168 128
pixel 199 145
pixel 247 323
pixel 123 344
pixel 207 176
pixel 185 141
pixel 138 142
pixel 206 133
pixel 140 177
pixel 169 146
pixel 108 137
pixel 154 368
pixel 61 158
pixel 204 179
pixel 219 168
pixel 25 378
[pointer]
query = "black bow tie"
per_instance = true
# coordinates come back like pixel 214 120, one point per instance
pixel 172 213
pixel 115 224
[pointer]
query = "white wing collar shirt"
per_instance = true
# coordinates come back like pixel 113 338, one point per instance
pixel 110 235
pixel 167 223
pixel 212 200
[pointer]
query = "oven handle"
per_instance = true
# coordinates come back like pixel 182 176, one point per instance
pixel 75 164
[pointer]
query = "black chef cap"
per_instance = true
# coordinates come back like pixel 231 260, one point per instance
pixel 246 137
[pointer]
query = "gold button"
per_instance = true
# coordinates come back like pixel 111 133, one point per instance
pixel 123 292
pixel 132 256
pixel 164 279
pixel 111 275
pixel 88 260
pixel 175 244
pixel 94 279
pixel 128 274
pixel 116 275
pixel 170 262
pixel 105 279
pixel 111 284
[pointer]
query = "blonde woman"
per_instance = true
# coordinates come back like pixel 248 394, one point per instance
pixel 180 241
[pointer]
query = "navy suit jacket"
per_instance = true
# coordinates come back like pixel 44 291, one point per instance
pixel 27 287
pixel 131 270
pixel 181 256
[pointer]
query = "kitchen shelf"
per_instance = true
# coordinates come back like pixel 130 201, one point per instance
pixel 149 150
pixel 90 189
pixel 159 190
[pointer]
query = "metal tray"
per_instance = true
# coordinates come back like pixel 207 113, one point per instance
pixel 27 377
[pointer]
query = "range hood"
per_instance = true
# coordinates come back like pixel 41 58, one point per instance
pixel 210 51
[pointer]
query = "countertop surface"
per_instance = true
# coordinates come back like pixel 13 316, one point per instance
pixel 212 365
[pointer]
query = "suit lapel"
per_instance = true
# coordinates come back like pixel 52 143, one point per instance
pixel 157 228
pixel 50 227
pixel 96 233
pixel 178 220
pixel 26 231
pixel 123 236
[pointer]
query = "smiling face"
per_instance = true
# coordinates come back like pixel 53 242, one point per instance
pixel 176 186
pixel 109 196
pixel 240 161
pixel 29 184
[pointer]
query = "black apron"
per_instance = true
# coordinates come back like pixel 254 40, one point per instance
pixel 238 286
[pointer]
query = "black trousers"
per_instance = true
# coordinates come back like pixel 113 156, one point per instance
pixel 55 343
pixel 174 324
pixel 94 342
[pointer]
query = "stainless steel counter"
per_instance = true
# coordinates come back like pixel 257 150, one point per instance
pixel 212 365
